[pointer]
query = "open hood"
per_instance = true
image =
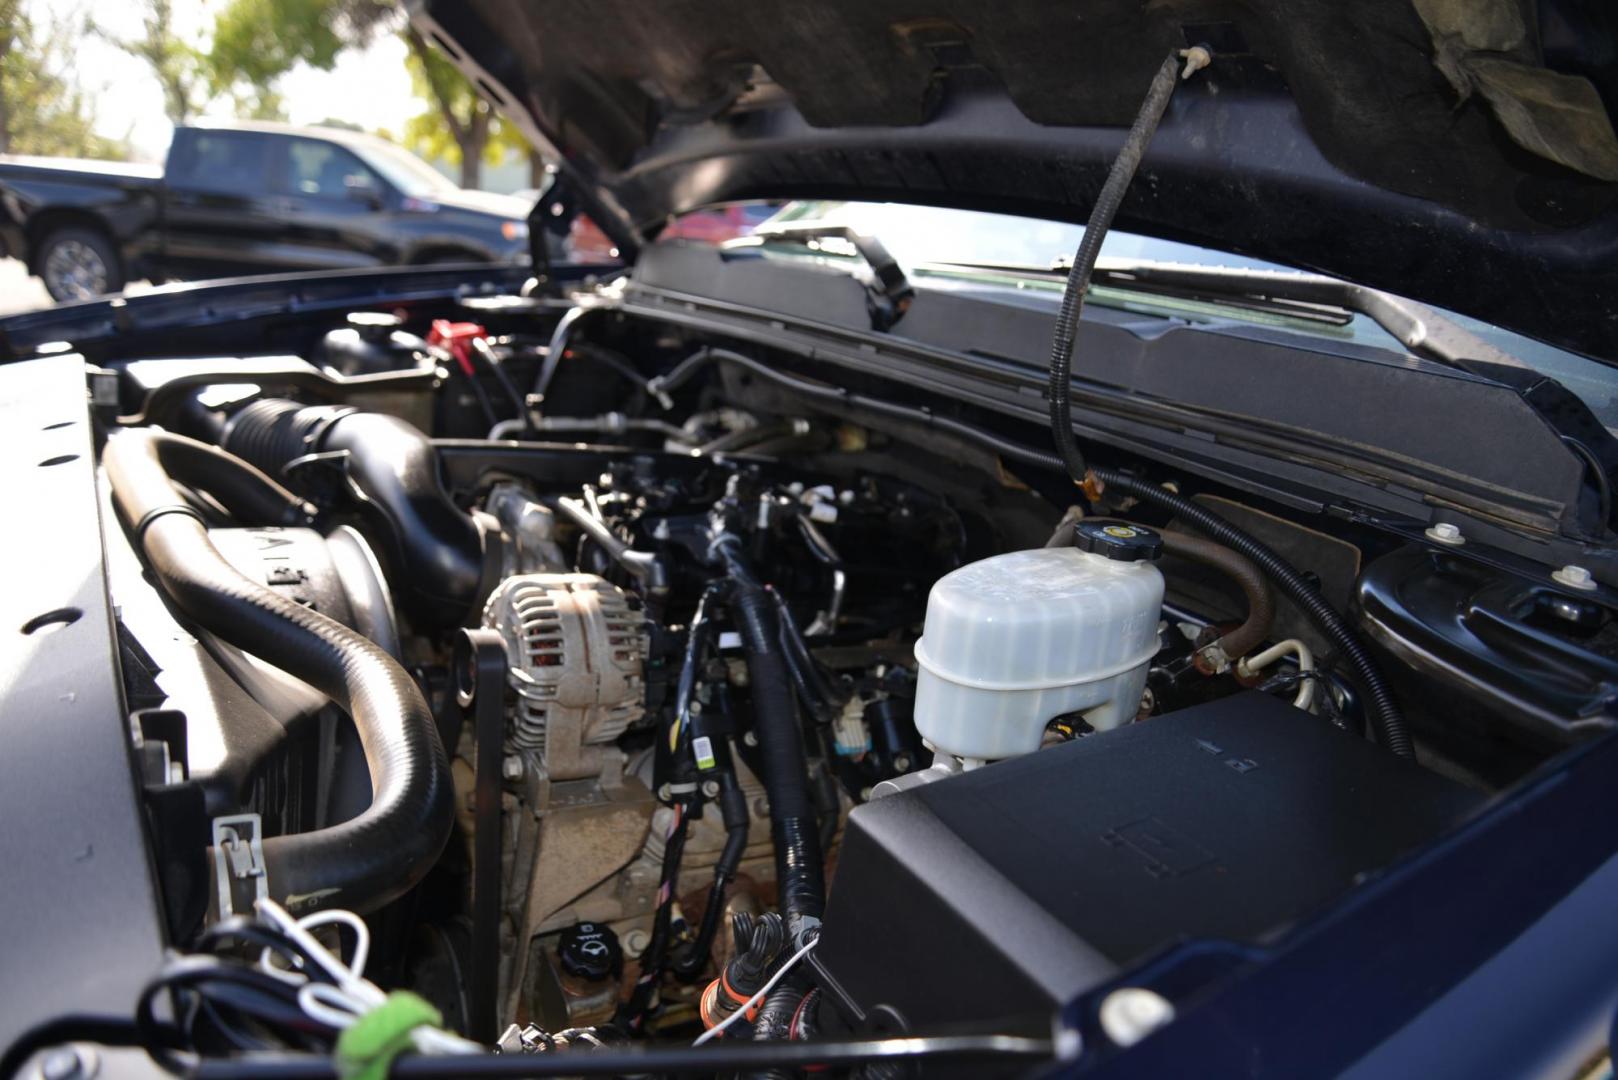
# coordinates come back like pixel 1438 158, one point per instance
pixel 1459 153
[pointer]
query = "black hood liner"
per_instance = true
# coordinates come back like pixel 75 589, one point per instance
pixel 1323 137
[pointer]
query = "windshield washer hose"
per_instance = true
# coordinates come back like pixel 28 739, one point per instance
pixel 1084 261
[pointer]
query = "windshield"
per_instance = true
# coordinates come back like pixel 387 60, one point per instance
pixel 983 249
pixel 404 170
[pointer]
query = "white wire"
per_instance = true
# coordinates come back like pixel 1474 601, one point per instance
pixel 362 934
pixel 1306 664
pixel 327 1004
pixel 758 997
pixel 296 977
pixel 353 995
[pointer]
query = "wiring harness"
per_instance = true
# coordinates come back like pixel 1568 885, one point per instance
pixel 264 996
pixel 295 993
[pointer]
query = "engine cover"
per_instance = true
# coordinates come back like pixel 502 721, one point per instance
pixel 1010 889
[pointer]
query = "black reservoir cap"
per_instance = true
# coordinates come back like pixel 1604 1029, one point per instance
pixel 1116 540
pixel 590 951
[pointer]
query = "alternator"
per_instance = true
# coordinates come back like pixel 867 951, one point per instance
pixel 574 646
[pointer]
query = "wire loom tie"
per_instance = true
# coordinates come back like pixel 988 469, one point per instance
pixel 366 1050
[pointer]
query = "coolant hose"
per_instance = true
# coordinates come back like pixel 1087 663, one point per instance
pixel 1238 568
pixel 434 548
pixel 360 864
pixel 1246 576
pixel 1383 709
pixel 793 826
pixel 247 493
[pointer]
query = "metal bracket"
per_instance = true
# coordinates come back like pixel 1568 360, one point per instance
pixel 238 859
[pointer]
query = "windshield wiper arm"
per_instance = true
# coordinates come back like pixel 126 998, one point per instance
pixel 1295 294
pixel 888 292
pixel 1417 327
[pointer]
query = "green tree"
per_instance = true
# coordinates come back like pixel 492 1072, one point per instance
pixel 180 67
pixel 460 126
pixel 255 42
pixel 41 110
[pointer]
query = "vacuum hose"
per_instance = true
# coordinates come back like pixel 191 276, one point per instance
pixel 798 868
pixel 360 864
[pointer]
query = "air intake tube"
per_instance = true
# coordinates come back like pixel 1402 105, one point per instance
pixel 798 868
pixel 436 550
pixel 360 864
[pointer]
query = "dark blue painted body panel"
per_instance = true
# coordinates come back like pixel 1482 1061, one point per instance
pixel 1503 936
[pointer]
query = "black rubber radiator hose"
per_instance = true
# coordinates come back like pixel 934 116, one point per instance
pixel 434 548
pixel 248 494
pixel 793 827
pixel 360 864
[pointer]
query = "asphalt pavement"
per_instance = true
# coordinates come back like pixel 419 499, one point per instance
pixel 18 291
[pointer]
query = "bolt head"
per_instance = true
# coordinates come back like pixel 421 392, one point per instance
pixel 710 788
pixel 63 1063
pixel 635 942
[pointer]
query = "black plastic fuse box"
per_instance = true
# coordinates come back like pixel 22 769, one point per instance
pixel 1013 888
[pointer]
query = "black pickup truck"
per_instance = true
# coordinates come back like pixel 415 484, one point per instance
pixel 246 199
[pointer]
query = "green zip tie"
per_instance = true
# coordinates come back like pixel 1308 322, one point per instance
pixel 366 1050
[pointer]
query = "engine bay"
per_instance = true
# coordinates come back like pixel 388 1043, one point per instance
pixel 626 683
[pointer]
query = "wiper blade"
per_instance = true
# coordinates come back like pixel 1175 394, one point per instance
pixel 1417 327
pixel 1326 315
pixel 1298 295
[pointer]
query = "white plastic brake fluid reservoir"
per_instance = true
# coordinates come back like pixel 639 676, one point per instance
pixel 1013 641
